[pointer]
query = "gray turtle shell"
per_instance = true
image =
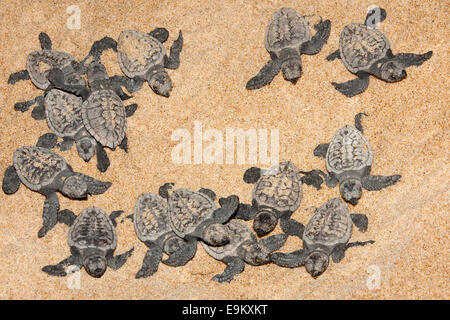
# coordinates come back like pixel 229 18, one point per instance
pixel 188 209
pixel 38 167
pixel 151 217
pixel 104 117
pixel 349 150
pixel 287 29
pixel 63 111
pixel 93 229
pixel 40 62
pixel 360 47
pixel 329 226
pixel 281 190
pixel 239 233
pixel 138 52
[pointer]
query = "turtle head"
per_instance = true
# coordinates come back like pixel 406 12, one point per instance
pixel 160 82
pixel 96 71
pixel 316 263
pixel 254 253
pixel 265 221
pixel 392 71
pixel 216 234
pixel 86 148
pixel 292 69
pixel 75 187
pixel 351 190
pixel 95 265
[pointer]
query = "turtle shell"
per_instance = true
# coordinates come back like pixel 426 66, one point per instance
pixel 280 190
pixel 349 150
pixel 188 209
pixel 330 225
pixel 287 29
pixel 360 47
pixel 63 112
pixel 40 62
pixel 138 52
pixel 37 167
pixel 104 117
pixel 151 217
pixel 239 233
pixel 93 229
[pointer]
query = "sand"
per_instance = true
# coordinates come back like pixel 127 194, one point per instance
pixel 407 126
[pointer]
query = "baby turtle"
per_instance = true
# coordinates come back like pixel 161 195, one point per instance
pixel 243 247
pixel 327 233
pixel 366 51
pixel 143 57
pixel 193 215
pixel 46 172
pixel 276 195
pixel 287 38
pixel 152 226
pixel 92 240
pixel 349 158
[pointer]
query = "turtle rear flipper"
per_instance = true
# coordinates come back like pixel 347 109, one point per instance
pixel 289 260
pixel 411 59
pixel 67 217
pixel 235 265
pixel 313 178
pixel 50 214
pixel 11 181
pixel 353 87
pixel 316 43
pixel 59 270
pixel 291 227
pixel 173 61
pixel 265 75
pixel 151 261
pixel 375 183
pixel 66 144
pixel 246 212
pixel 130 109
pixel 183 255
pixel 25 105
pixel 160 34
pixel 333 56
pixel 321 150
pixel 116 262
pixel 114 215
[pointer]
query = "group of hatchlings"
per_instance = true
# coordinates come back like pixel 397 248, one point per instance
pixel 173 221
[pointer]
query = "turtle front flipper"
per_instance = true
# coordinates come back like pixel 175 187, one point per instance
pixel 321 150
pixel 183 255
pixel 99 46
pixel 333 56
pixel 114 215
pixel 375 16
pixel 18 76
pixel 116 262
pixel 375 183
pixel 67 217
pixel 273 243
pixel 313 178
pixel 130 109
pixel 358 124
pixel 47 140
pixel 228 208
pixel 411 59
pixel 289 260
pixel 60 269
pixel 95 186
pixel 211 194
pixel 353 87
pixel 339 251
pixel 173 62
pixel 58 80
pixel 11 181
pixel 265 75
pixel 50 214
pixel 151 261
pixel 160 34
pixel 331 181
pixel 292 227
pixel 246 212
pixel 45 41
pixel 360 221
pixel 235 265
pixel 102 158
pixel 316 43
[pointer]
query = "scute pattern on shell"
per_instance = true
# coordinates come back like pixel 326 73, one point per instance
pixel 239 233
pixel 92 229
pixel 331 224
pixel 37 166
pixel 287 29
pixel 282 190
pixel 104 117
pixel 361 46
pixel 188 209
pixel 40 62
pixel 138 52
pixel 151 216
pixel 349 150
pixel 63 112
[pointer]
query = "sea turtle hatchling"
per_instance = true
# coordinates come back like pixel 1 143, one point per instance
pixel 193 215
pixel 243 247
pixel 276 195
pixel 92 239
pixel 287 38
pixel 46 172
pixel 366 51
pixel 326 234
pixel 152 226
pixel 349 158
pixel 142 56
